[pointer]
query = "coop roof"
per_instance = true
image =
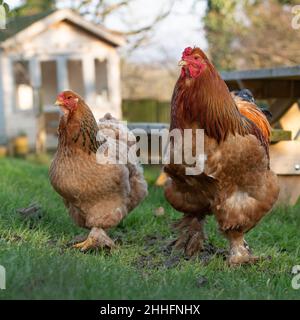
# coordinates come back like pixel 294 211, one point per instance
pixel 21 27
pixel 282 85
pixel 267 83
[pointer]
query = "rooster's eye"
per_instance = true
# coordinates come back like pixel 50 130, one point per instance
pixel 69 97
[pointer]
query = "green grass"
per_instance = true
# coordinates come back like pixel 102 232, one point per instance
pixel 39 264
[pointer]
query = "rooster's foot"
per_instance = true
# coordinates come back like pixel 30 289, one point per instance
pixel 192 244
pixel 192 235
pixel 96 239
pixel 236 260
pixel 241 254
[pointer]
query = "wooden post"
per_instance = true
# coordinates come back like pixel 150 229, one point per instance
pixel 36 83
pixel 62 73
pixel 89 78
pixel 2 101
pixel 279 107
pixel 114 84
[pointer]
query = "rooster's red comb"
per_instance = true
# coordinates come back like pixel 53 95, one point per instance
pixel 187 51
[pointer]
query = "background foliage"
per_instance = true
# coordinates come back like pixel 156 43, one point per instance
pixel 247 34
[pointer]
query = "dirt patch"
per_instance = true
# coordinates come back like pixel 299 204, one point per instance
pixel 34 211
pixel 160 253
pixel 201 281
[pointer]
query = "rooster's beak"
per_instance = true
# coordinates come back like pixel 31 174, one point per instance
pixel 182 63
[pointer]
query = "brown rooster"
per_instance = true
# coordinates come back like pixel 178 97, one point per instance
pixel 236 185
pixel 98 196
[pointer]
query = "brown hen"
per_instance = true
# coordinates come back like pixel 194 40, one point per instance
pixel 98 196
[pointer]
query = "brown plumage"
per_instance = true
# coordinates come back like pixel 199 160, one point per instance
pixel 253 113
pixel 236 185
pixel 98 196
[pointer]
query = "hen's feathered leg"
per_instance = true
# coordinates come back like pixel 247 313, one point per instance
pixel 192 235
pixel 96 239
pixel 240 252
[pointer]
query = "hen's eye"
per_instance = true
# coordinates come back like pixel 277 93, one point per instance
pixel 69 97
pixel 196 57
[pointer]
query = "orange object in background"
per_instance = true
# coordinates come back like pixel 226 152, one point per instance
pixel 21 146
pixel 3 151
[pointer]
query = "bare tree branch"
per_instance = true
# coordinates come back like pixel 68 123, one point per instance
pixel 107 10
pixel 104 9
pixel 150 26
pixel 136 33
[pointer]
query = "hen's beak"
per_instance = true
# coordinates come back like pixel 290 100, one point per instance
pixel 58 102
pixel 182 63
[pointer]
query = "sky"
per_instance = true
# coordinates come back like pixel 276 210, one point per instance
pixel 182 28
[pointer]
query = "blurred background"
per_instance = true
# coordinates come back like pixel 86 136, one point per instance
pixel 121 56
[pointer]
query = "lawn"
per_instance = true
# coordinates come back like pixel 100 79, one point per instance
pixel 40 264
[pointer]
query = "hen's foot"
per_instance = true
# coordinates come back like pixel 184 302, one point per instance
pixel 192 236
pixel 97 239
pixel 77 239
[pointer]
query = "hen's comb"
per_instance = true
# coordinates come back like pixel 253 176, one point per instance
pixel 61 95
pixel 187 51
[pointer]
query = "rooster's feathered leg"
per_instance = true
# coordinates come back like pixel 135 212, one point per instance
pixel 96 239
pixel 192 235
pixel 240 252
